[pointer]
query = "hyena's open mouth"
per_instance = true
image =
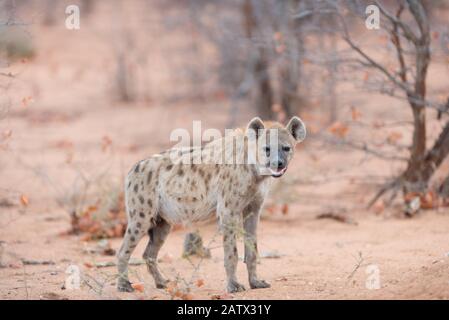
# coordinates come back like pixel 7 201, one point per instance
pixel 277 173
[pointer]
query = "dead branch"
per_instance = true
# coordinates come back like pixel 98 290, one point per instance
pixel 337 217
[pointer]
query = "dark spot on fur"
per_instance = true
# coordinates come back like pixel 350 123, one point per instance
pixel 136 187
pixel 139 225
pixel 129 184
pixel 136 231
pixel 133 239
pixel 129 231
pixel 194 167
pixel 194 199
pixel 150 174
pixel 169 167
pixel 235 250
pixel 141 199
pixel 180 172
pixel 150 203
pixel 137 168
pixel 141 214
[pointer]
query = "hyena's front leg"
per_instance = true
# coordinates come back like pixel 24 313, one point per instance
pixel 230 226
pixel 250 221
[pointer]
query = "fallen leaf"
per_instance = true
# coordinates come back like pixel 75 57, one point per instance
pixel 355 114
pixel 394 137
pixel 429 200
pixel 138 287
pixel 339 129
pixel 284 209
pixel 271 209
pixel 187 296
pixel 366 76
pixel 223 296
pixel 379 207
pixel 24 200
pixel 172 287
pixel 26 101
pixel 199 283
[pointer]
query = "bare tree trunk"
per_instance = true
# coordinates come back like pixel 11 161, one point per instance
pixel 443 190
pixel 264 98
pixel 436 155
pixel 264 93
pixel 414 178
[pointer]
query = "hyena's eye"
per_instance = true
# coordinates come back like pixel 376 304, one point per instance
pixel 286 148
pixel 266 149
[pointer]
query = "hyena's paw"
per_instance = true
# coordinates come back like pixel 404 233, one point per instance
pixel 124 286
pixel 234 286
pixel 259 284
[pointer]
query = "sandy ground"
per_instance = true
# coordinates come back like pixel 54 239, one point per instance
pixel 71 127
pixel 316 259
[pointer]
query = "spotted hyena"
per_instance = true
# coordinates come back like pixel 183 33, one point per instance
pixel 185 185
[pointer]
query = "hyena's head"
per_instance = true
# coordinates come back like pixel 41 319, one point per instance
pixel 273 144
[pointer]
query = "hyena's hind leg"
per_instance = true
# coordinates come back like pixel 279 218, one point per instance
pixel 137 228
pixel 158 233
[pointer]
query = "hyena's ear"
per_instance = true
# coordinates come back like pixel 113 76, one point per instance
pixel 297 129
pixel 254 126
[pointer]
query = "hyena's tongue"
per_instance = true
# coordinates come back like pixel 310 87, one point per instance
pixel 277 173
